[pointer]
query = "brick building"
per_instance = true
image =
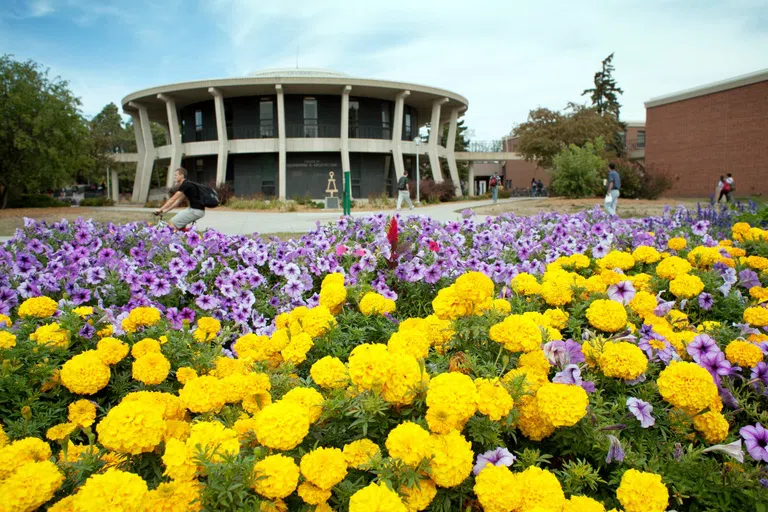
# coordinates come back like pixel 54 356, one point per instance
pixel 695 136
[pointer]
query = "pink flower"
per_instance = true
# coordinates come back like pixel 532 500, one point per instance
pixel 341 249
pixel 359 252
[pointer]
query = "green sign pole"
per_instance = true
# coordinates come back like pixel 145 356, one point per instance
pixel 347 202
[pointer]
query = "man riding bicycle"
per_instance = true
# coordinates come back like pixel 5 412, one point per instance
pixel 190 191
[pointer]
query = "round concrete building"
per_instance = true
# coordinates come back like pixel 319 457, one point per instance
pixel 279 133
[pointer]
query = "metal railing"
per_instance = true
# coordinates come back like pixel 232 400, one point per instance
pixel 313 131
pixel 485 146
pixel 254 132
pixel 635 144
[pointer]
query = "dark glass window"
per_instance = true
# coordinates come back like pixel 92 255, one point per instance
pixel 354 119
pixel 640 139
pixel 386 123
pixel 408 132
pixel 228 118
pixel 266 119
pixel 310 117
pixel 198 125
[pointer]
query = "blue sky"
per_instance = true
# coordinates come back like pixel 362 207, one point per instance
pixel 506 56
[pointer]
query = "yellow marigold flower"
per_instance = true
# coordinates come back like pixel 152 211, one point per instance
pixel 319 320
pixel 252 347
pixel 177 429
pixel 112 490
pixel 203 394
pixel 3 437
pixel 501 306
pixel 646 254
pixel 595 284
pixel 498 489
pixel 324 467
pixel 757 262
pixel 225 366
pixel 455 394
pixel 558 318
pixel 404 379
pixel 677 244
pixel 20 452
pixel 452 459
pixel 376 498
pixel 420 495
pixel 308 398
pixel 333 296
pixel 38 307
pixel 759 293
pixel 686 286
pixel 85 374
pixel 678 319
pixel 132 427
pixel 583 504
pixel 296 350
pixel 616 259
pixel 562 405
pixel 557 292
pixel 525 284
pixel 540 489
pixel 175 497
pixel 144 347
pixel 141 317
pixel 743 353
pixel 282 425
pixel 330 373
pixel 111 350
pixel 623 360
pixel 5 321
pixel 641 282
pixel 51 334
pixel 60 432
pixel 643 304
pixel 209 325
pixel 535 360
pixel 687 386
pixel 31 486
pixel 374 304
pixel 517 333
pixel 712 425
pixel 83 311
pixel 757 316
pixel 151 369
pixel 213 439
pixel 185 374
pixel 533 378
pixel 492 399
pixel 312 494
pixel 178 464
pixel 673 267
pixel 105 331
pixel 449 305
pixel 708 326
pixel 76 451
pixel 370 365
pixel 359 453
pixel 411 342
pixel 409 443
pixel 171 406
pixel 475 287
pixel 642 492
pixel 277 476
pixel 7 340
pixel 607 315
pixel 82 413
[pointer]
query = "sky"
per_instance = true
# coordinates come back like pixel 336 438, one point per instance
pixel 505 56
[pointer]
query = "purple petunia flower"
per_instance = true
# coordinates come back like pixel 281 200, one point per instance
pixel 700 228
pixel 701 345
pixel 622 292
pixel 498 457
pixel 570 375
pixel 706 301
pixel 87 331
pixel 756 439
pixel 615 452
pixel 716 364
pixel 642 411
pixel 759 377
pixel 749 279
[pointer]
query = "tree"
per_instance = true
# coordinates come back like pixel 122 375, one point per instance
pixel 605 93
pixel 108 135
pixel 547 132
pixel 43 136
pixel 576 170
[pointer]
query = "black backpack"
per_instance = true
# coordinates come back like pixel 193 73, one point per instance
pixel 208 196
pixel 402 183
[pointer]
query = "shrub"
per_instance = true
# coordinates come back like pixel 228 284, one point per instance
pixel 631 175
pixel 97 201
pixel 381 201
pixel 576 170
pixel 432 192
pixel 225 192
pixel 36 201
pixel 653 183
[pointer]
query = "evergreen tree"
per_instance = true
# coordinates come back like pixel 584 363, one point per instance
pixel 605 93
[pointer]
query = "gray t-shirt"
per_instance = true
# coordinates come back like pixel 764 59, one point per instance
pixel 613 177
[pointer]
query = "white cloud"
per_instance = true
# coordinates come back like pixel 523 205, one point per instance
pixel 40 8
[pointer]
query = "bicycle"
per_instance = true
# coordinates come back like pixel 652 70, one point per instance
pixel 163 223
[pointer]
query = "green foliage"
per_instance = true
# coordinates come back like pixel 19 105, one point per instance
pixel 97 201
pixel 576 170
pixel 229 482
pixel 605 93
pixel 35 201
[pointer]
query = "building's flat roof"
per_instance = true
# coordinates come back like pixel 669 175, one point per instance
pixel 703 90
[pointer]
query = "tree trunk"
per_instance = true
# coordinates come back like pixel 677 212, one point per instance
pixel 3 197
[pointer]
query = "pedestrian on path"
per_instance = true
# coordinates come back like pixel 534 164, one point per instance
pixel 614 185
pixel 720 189
pixel 494 183
pixel 404 191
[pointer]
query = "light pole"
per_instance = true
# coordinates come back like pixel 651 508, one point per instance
pixel 417 140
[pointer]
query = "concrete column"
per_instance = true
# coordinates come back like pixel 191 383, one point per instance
pixel 143 132
pixel 471 180
pixel 450 145
pixel 115 184
pixel 174 129
pixel 345 167
pixel 221 132
pixel 397 133
pixel 281 142
pixel 435 132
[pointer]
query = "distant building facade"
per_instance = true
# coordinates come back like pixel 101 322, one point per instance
pixel 695 136
pixel 279 133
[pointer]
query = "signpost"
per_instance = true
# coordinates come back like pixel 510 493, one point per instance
pixel 347 203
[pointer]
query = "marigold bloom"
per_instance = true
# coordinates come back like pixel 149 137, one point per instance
pixel 151 369
pixel 687 386
pixel 308 398
pixel 282 425
pixel 330 373
pixel 642 492
pixel 498 489
pixel 607 315
pixel 409 443
pixel 111 350
pixel 324 467
pixel 30 486
pixel 540 488
pixel 492 399
pixel 562 405
pixel 712 425
pixel 622 360
pixel 111 490
pixel 375 304
pixel 359 453
pixel 85 374
pixel 132 427
pixel 38 307
pixel 7 340
pixel 452 459
pixel 517 333
pixel 376 498
pixel 743 353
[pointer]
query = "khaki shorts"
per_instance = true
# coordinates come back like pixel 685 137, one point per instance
pixel 186 217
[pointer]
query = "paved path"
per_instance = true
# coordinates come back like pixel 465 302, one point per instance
pixel 247 222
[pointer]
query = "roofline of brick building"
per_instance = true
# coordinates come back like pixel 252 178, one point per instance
pixel 703 90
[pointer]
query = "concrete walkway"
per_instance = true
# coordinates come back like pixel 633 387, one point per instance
pixel 247 222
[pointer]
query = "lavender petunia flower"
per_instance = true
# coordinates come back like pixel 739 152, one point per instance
pixel 731 449
pixel 498 457
pixel 678 453
pixel 570 375
pixel 622 292
pixel 759 377
pixel 749 279
pixel 701 345
pixel 642 411
pixel 615 452
pixel 756 439
pixel 706 301
pixel 717 365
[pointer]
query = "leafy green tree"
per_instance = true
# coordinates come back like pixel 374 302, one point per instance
pixel 605 93
pixel 547 132
pixel 43 136
pixel 576 171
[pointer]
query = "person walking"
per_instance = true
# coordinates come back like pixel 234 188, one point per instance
pixel 404 191
pixel 729 187
pixel 614 185
pixel 190 191
pixel 533 187
pixel 494 183
pixel 719 192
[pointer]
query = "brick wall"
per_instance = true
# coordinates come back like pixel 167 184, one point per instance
pixel 520 172
pixel 697 140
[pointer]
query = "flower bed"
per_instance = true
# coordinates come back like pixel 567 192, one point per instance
pixel 553 363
